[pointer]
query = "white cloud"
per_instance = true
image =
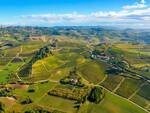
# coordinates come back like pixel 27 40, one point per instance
pixel 136 5
pixel 143 1
pixel 132 15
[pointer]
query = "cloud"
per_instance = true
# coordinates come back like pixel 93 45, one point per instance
pixel 93 17
pixel 143 1
pixel 136 5
pixel 52 18
pixel 136 15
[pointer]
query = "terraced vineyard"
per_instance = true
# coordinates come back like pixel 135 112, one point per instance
pixel 124 92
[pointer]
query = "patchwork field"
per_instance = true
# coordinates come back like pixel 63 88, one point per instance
pixel 124 92
pixel 111 104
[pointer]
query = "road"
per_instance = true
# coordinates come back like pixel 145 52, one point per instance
pixel 118 86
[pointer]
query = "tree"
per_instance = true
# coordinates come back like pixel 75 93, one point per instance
pixel 26 101
pixel 114 71
pixel 2 107
pixel 3 93
pixel 96 95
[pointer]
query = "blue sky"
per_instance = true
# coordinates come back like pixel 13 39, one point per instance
pixel 121 13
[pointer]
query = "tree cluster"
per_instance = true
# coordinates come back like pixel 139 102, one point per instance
pixel 73 93
pixel 26 100
pixel 96 94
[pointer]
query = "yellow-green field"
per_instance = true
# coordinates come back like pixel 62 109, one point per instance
pixel 111 104
pixel 126 92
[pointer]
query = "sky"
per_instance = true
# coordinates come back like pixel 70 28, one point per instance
pixel 116 13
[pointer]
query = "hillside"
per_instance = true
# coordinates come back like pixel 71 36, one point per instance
pixel 65 67
pixel 85 32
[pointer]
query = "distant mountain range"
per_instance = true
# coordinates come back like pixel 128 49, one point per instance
pixel 136 35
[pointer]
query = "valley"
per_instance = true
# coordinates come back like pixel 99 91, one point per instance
pixel 73 74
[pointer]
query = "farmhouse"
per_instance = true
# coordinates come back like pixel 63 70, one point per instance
pixel 75 80
pixel 103 57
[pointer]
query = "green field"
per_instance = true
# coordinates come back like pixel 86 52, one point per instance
pixel 70 54
pixel 111 104
pixel 92 71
